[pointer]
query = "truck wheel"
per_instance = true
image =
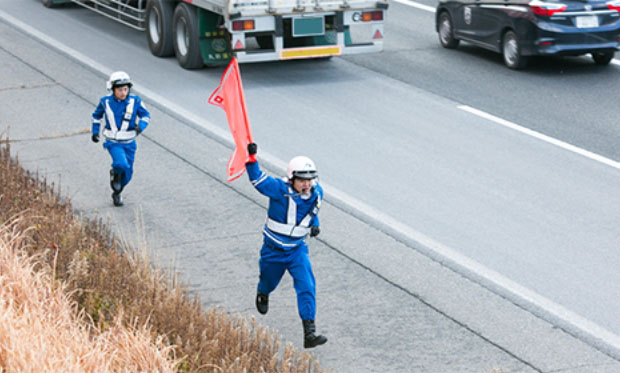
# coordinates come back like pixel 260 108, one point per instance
pixel 185 36
pixel 602 58
pixel 159 27
pixel 446 31
pixel 512 51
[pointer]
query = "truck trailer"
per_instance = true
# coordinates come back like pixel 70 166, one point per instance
pixel 211 32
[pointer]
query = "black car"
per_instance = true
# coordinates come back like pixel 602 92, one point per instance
pixel 522 28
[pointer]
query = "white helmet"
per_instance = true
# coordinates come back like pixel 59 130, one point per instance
pixel 118 78
pixel 301 167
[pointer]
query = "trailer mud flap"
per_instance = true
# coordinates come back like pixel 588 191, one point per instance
pixel 214 41
pixel 329 38
pixel 347 36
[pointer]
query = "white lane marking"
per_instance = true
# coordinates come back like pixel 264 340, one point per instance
pixel 516 127
pixel 551 308
pixel 431 9
pixel 416 5
pixel 540 136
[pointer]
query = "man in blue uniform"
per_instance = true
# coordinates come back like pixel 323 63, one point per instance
pixel 125 118
pixel 292 215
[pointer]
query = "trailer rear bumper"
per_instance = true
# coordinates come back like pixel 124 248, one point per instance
pixel 307 52
pixel 342 34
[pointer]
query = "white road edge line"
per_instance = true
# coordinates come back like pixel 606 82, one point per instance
pixel 92 64
pixel 416 5
pixel 540 136
pixel 428 8
pixel 555 310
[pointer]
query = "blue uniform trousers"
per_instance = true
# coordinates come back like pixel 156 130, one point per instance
pixel 273 263
pixel 123 155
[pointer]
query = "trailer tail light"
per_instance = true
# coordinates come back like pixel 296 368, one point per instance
pixel 614 5
pixel 546 9
pixel 376 15
pixel 247 24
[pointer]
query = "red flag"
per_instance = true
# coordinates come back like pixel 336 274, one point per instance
pixel 229 96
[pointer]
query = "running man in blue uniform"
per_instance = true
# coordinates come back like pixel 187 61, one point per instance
pixel 292 215
pixel 125 118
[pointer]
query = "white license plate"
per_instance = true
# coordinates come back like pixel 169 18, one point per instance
pixel 586 21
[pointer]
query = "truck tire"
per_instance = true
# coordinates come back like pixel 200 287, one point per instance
pixel 159 27
pixel 185 36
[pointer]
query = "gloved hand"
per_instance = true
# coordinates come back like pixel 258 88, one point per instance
pixel 252 148
pixel 138 130
pixel 314 231
pixel 95 137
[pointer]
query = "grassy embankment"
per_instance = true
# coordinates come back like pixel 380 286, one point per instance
pixel 86 298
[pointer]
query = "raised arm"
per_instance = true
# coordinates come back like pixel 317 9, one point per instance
pixel 266 185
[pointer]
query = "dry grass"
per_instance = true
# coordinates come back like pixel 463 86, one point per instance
pixel 42 329
pixel 114 285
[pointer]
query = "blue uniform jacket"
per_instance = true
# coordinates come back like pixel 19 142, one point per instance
pixel 278 191
pixel 118 108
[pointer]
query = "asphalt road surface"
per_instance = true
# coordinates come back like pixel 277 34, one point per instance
pixel 532 221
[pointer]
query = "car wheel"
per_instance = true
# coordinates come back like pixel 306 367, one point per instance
pixel 185 37
pixel 512 51
pixel 159 27
pixel 602 58
pixel 446 32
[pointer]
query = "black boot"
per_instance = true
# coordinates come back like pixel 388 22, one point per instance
pixel 115 181
pixel 262 303
pixel 117 199
pixel 311 339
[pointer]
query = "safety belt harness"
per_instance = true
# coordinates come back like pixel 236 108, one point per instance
pixel 290 228
pixel 115 133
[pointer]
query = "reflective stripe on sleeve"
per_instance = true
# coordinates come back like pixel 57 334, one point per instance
pixel 260 179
